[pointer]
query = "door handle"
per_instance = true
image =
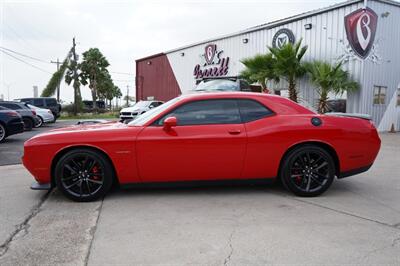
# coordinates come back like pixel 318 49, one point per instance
pixel 234 131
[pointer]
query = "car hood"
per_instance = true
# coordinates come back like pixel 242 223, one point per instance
pixel 89 134
pixel 83 129
pixel 131 109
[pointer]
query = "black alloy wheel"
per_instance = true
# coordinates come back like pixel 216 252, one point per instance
pixel 3 133
pixel 28 124
pixel 308 171
pixel 84 175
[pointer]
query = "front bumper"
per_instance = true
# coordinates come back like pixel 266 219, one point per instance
pixel 37 186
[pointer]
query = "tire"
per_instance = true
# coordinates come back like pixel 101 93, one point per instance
pixel 84 175
pixel 40 123
pixel 3 132
pixel 307 171
pixel 28 124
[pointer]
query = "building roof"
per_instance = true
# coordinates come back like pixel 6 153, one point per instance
pixel 277 23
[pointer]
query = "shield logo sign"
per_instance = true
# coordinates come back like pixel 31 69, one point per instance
pixel 282 37
pixel 360 29
pixel 210 53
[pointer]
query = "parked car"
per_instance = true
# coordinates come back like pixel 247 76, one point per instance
pixel 221 84
pixel 45 115
pixel 130 113
pixel 205 137
pixel 100 104
pixel 336 105
pixel 10 123
pixel 45 102
pixel 28 115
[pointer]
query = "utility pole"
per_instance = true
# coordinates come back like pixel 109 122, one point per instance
pixel 127 95
pixel 58 86
pixel 75 59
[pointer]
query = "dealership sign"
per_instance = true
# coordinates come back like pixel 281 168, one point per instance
pixel 282 37
pixel 214 64
pixel 360 29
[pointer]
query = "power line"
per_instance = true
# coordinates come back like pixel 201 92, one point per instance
pixel 29 64
pixel 24 55
pixel 122 73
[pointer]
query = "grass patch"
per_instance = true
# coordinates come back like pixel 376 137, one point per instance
pixel 108 115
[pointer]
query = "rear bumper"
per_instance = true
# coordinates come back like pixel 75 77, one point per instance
pixel 354 171
pixel 15 128
pixel 37 186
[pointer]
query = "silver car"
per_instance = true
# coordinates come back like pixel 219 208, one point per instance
pixel 45 115
pixel 130 113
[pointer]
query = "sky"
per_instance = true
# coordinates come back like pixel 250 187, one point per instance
pixel 122 30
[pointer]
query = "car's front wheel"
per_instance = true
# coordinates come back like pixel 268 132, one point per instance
pixel 83 175
pixel 3 133
pixel 308 171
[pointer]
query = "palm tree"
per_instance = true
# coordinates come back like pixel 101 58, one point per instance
pixel 288 64
pixel 329 78
pixel 260 69
pixel 93 71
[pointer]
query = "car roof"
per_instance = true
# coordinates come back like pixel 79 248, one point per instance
pixel 276 102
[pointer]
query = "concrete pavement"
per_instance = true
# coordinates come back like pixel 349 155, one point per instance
pixel 356 222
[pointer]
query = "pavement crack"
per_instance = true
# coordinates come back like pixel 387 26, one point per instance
pixel 396 241
pixel 228 258
pixel 347 213
pixel 92 232
pixel 24 226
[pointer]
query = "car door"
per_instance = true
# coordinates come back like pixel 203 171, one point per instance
pixel 208 143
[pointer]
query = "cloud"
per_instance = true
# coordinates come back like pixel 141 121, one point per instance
pixel 122 30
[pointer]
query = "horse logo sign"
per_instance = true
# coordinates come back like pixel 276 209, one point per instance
pixel 360 29
pixel 210 53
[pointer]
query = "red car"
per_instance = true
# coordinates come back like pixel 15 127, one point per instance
pixel 205 137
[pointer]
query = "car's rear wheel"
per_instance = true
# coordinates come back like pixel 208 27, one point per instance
pixel 308 171
pixel 84 175
pixel 28 124
pixel 39 122
pixel 3 133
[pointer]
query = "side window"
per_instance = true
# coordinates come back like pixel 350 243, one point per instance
pixel 53 102
pixel 206 112
pixel 38 102
pixel 11 106
pixel 251 110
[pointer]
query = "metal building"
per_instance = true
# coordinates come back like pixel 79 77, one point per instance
pixel 365 35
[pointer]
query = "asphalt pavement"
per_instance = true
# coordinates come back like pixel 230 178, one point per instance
pixel 356 222
pixel 12 149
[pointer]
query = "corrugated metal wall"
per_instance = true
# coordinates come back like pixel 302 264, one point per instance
pixel 155 78
pixel 326 41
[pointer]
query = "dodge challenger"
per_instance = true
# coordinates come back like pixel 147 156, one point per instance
pixel 226 136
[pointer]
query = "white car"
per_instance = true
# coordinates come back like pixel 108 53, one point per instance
pixel 130 113
pixel 45 115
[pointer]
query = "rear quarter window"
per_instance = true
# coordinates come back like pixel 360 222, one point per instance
pixel 251 110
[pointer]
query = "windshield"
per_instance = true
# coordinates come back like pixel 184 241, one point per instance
pixel 218 85
pixel 144 118
pixel 141 104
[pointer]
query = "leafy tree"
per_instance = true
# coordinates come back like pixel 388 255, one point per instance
pixel 55 79
pixel 288 64
pixel 260 69
pixel 72 76
pixel 329 78
pixel 93 71
pixel 107 89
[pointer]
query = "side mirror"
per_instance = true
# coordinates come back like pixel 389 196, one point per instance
pixel 170 122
